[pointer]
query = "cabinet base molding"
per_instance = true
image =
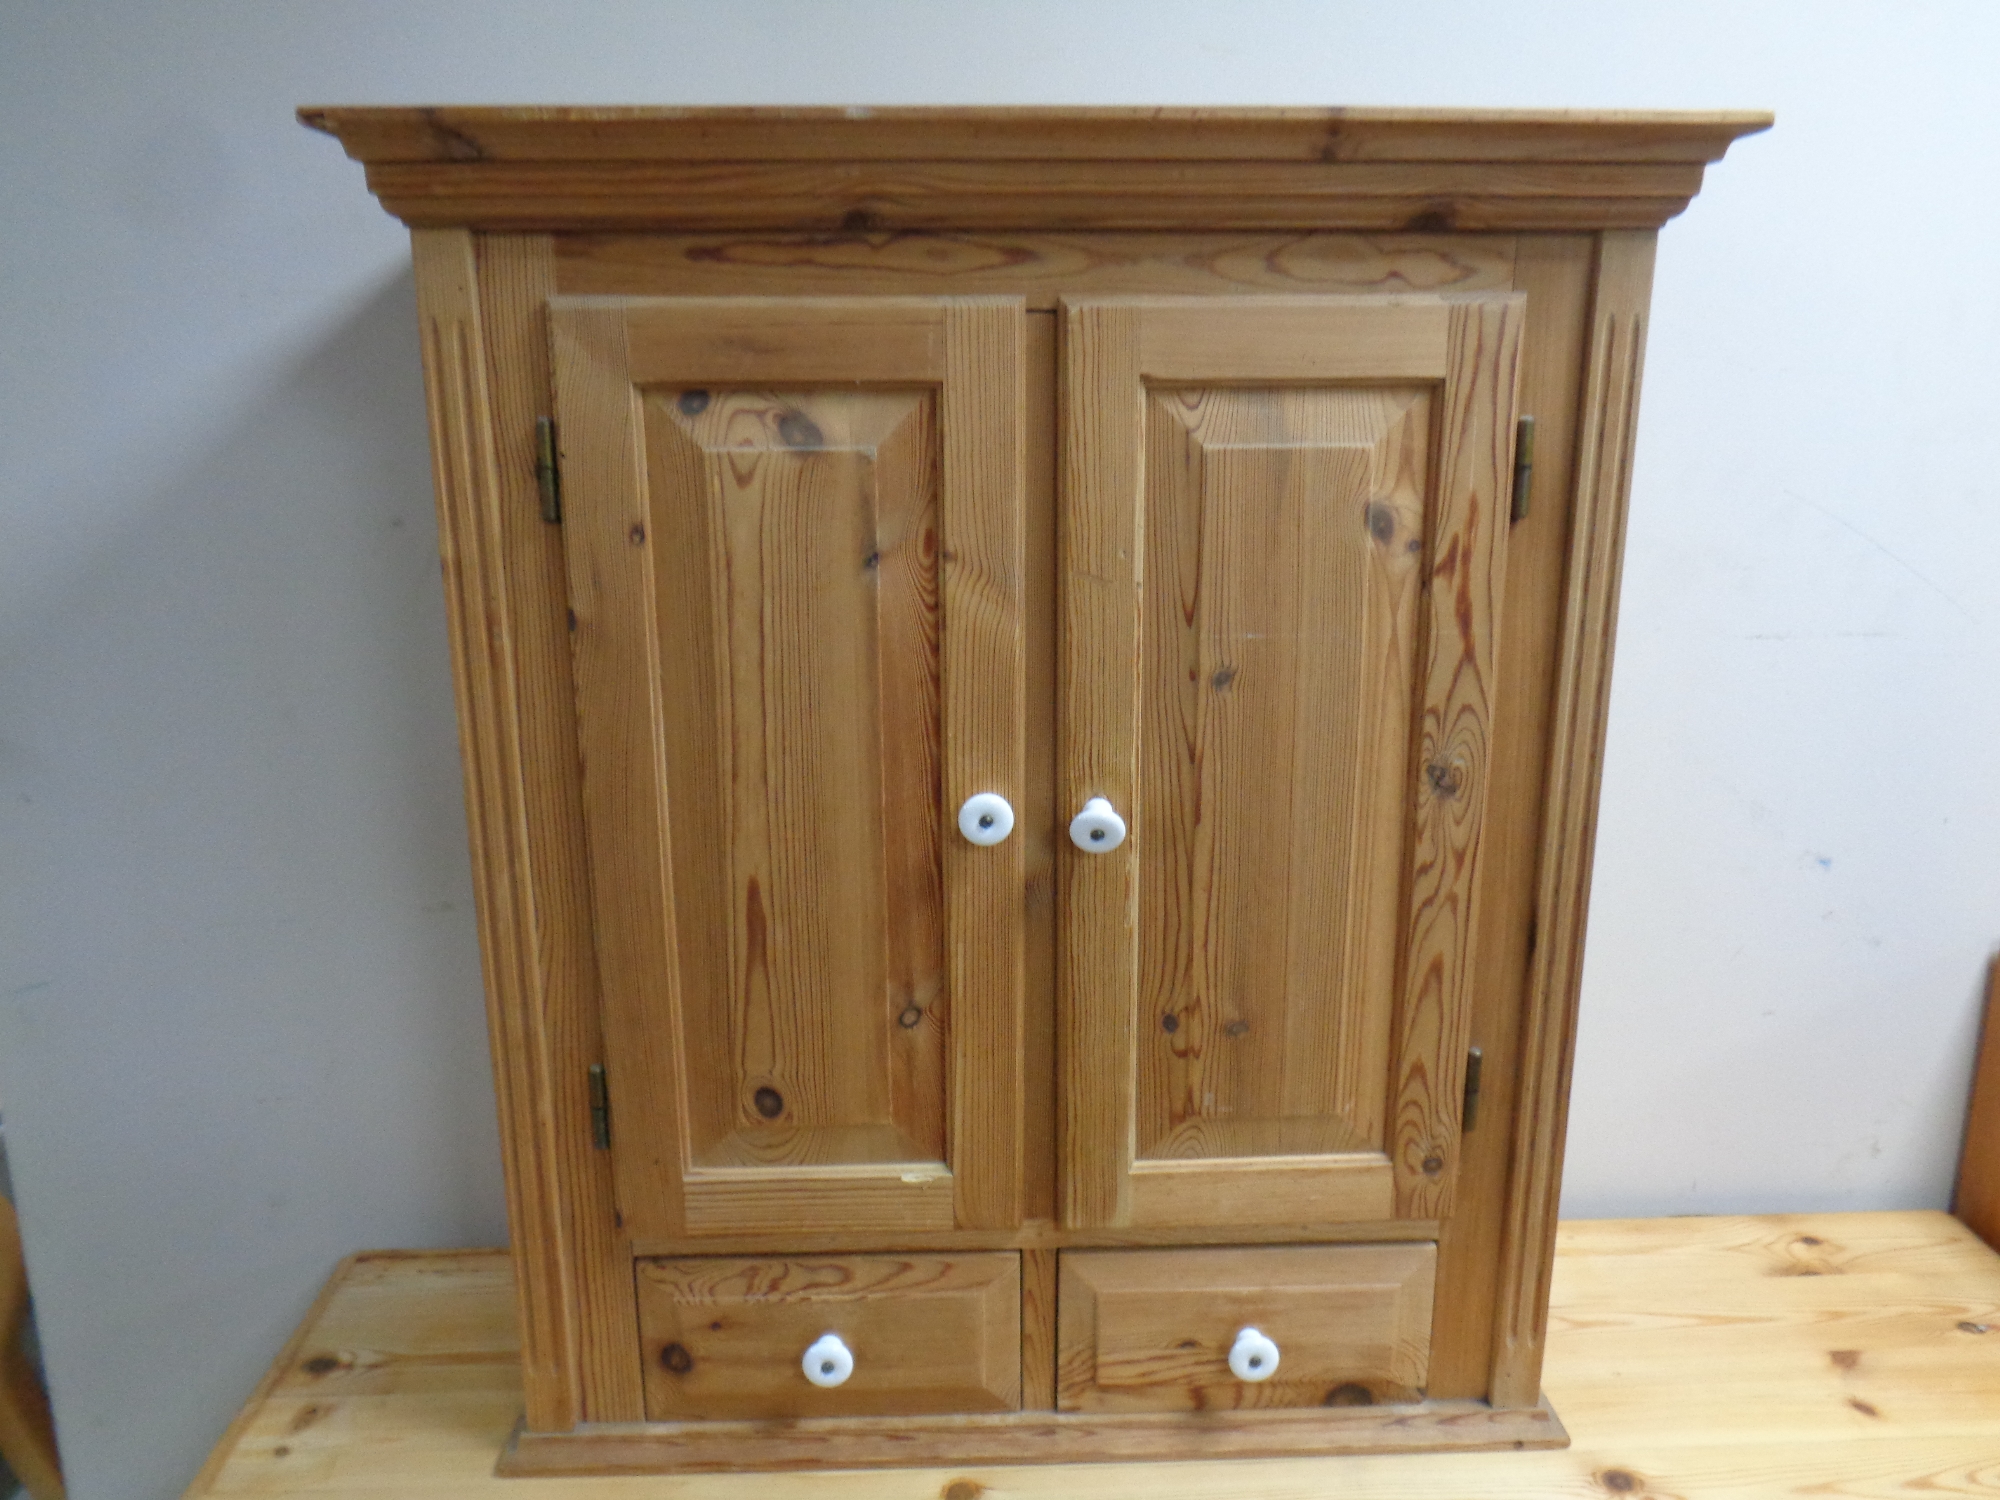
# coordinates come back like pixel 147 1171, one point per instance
pixel 1027 1438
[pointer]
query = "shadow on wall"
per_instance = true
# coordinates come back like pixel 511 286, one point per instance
pixel 241 1031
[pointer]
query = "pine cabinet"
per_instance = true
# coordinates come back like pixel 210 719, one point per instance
pixel 1031 685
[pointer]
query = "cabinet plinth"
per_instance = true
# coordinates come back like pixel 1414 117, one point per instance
pixel 1034 750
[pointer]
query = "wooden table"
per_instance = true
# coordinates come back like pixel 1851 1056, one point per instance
pixel 1844 1355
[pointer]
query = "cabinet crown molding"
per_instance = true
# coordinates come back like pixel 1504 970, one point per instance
pixel 885 170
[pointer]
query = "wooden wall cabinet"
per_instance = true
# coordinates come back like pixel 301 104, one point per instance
pixel 822 492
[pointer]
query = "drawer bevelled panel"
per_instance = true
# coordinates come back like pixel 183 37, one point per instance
pixel 1181 1330
pixel 824 1336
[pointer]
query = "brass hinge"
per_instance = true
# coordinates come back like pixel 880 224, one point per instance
pixel 600 1109
pixel 1524 466
pixel 1471 1116
pixel 548 474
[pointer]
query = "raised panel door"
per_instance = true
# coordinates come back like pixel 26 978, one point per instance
pixel 1283 528
pixel 793 531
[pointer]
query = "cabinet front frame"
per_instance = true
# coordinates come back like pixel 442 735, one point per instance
pixel 481 298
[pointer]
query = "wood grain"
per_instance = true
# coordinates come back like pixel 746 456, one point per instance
pixel 1715 1358
pixel 1103 422
pixel 1466 562
pixel 1554 273
pixel 1040 267
pixel 615 675
pixel 804 252
pixel 985 684
pixel 797 621
pixel 1621 289
pixel 731 341
pixel 340 1285
pixel 1038 1329
pixel 723 1338
pixel 513 814
pixel 799 647
pixel 1037 826
pixel 1137 195
pixel 1139 1440
pixel 879 170
pixel 1044 1235
pixel 1977 1199
pixel 1272 552
pixel 515 281
pixel 1150 1330
pixel 402 1322
pixel 1278 341
pixel 1197 1196
pixel 497 134
pixel 881 1139
pixel 1278 660
pixel 896 1199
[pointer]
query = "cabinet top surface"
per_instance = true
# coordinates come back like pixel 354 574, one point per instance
pixel 921 168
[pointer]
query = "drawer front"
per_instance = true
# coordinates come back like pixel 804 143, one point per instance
pixel 925 1333
pixel 1153 1330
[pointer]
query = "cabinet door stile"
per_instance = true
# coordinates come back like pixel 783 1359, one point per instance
pixel 610 588
pixel 1467 568
pixel 983 563
pixel 1101 530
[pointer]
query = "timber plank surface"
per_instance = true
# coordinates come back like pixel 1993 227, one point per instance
pixel 1795 1355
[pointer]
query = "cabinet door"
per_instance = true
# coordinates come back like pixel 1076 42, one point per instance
pixel 1283 528
pixel 794 539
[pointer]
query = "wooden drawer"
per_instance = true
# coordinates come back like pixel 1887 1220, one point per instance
pixel 1145 1330
pixel 927 1333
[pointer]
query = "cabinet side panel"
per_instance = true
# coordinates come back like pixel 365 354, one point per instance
pixel 465 472
pixel 1548 1030
pixel 1553 272
pixel 516 278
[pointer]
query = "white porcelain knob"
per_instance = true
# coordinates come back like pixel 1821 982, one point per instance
pixel 829 1362
pixel 1252 1356
pixel 1097 829
pixel 986 818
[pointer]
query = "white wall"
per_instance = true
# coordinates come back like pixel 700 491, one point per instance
pixel 240 1031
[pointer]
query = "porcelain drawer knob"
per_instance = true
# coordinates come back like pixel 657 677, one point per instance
pixel 1252 1356
pixel 1097 829
pixel 828 1362
pixel 986 818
